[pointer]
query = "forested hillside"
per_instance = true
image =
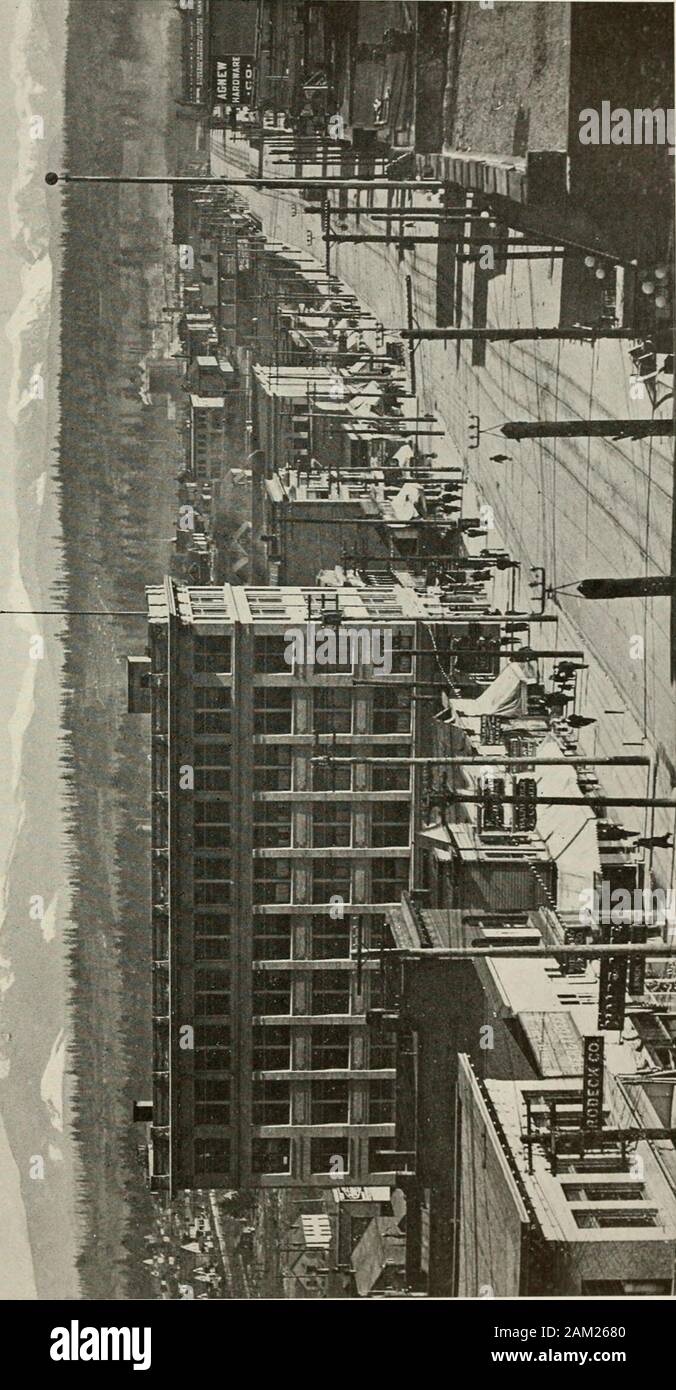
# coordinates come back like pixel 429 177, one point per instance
pixel 118 460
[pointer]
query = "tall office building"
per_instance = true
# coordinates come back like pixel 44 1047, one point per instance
pixel 273 873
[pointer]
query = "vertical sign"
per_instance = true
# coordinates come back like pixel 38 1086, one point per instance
pixel 613 981
pixel 636 982
pixel 574 934
pixel 592 1083
pixel 235 79
pixel 356 949
pixel 199 50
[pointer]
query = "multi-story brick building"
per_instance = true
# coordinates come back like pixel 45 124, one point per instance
pixel 269 897
pixel 214 34
pixel 207 437
pixel 496 1129
pixel 582 1220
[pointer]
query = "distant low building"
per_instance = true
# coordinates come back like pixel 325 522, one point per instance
pixel 210 375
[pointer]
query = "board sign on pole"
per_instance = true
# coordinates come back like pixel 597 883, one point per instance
pixel 235 79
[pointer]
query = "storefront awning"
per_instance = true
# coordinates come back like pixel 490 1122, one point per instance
pixel 569 832
pixel 507 694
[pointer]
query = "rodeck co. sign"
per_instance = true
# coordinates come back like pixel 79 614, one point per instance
pixel 592 1083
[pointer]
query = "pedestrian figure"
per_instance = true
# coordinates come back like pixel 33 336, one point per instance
pixel 565 669
pixel 555 701
pixel 615 832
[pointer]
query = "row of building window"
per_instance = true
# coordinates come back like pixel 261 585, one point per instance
pixel 212 1154
pixel 603 1191
pixel 626 1288
pixel 213 653
pixel 331 991
pixel 272 991
pixel 272 880
pixel 617 1218
pixel 331 824
pixel 206 422
pixel 271 653
pixel 273 712
pixel 330 878
pixel 273 768
pixel 329 1102
pixel 271 1104
pixel 326 939
pixel 380 601
pixel 333 710
pixel 329 1049
pixel 273 764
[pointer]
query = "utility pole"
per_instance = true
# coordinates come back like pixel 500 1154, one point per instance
pixel 402 420
pixel 596 951
pixel 266 184
pixel 479 761
pixel 520 653
pixel 422 213
pixel 509 255
pixel 509 249
pixel 363 422
pixel 77 612
pixel 595 802
pixel 514 335
pixel 570 429
pixel 650 586
pixel 353 561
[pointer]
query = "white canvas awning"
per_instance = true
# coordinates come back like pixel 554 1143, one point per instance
pixel 507 694
pixel 569 832
pixel 405 502
pixel 402 455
